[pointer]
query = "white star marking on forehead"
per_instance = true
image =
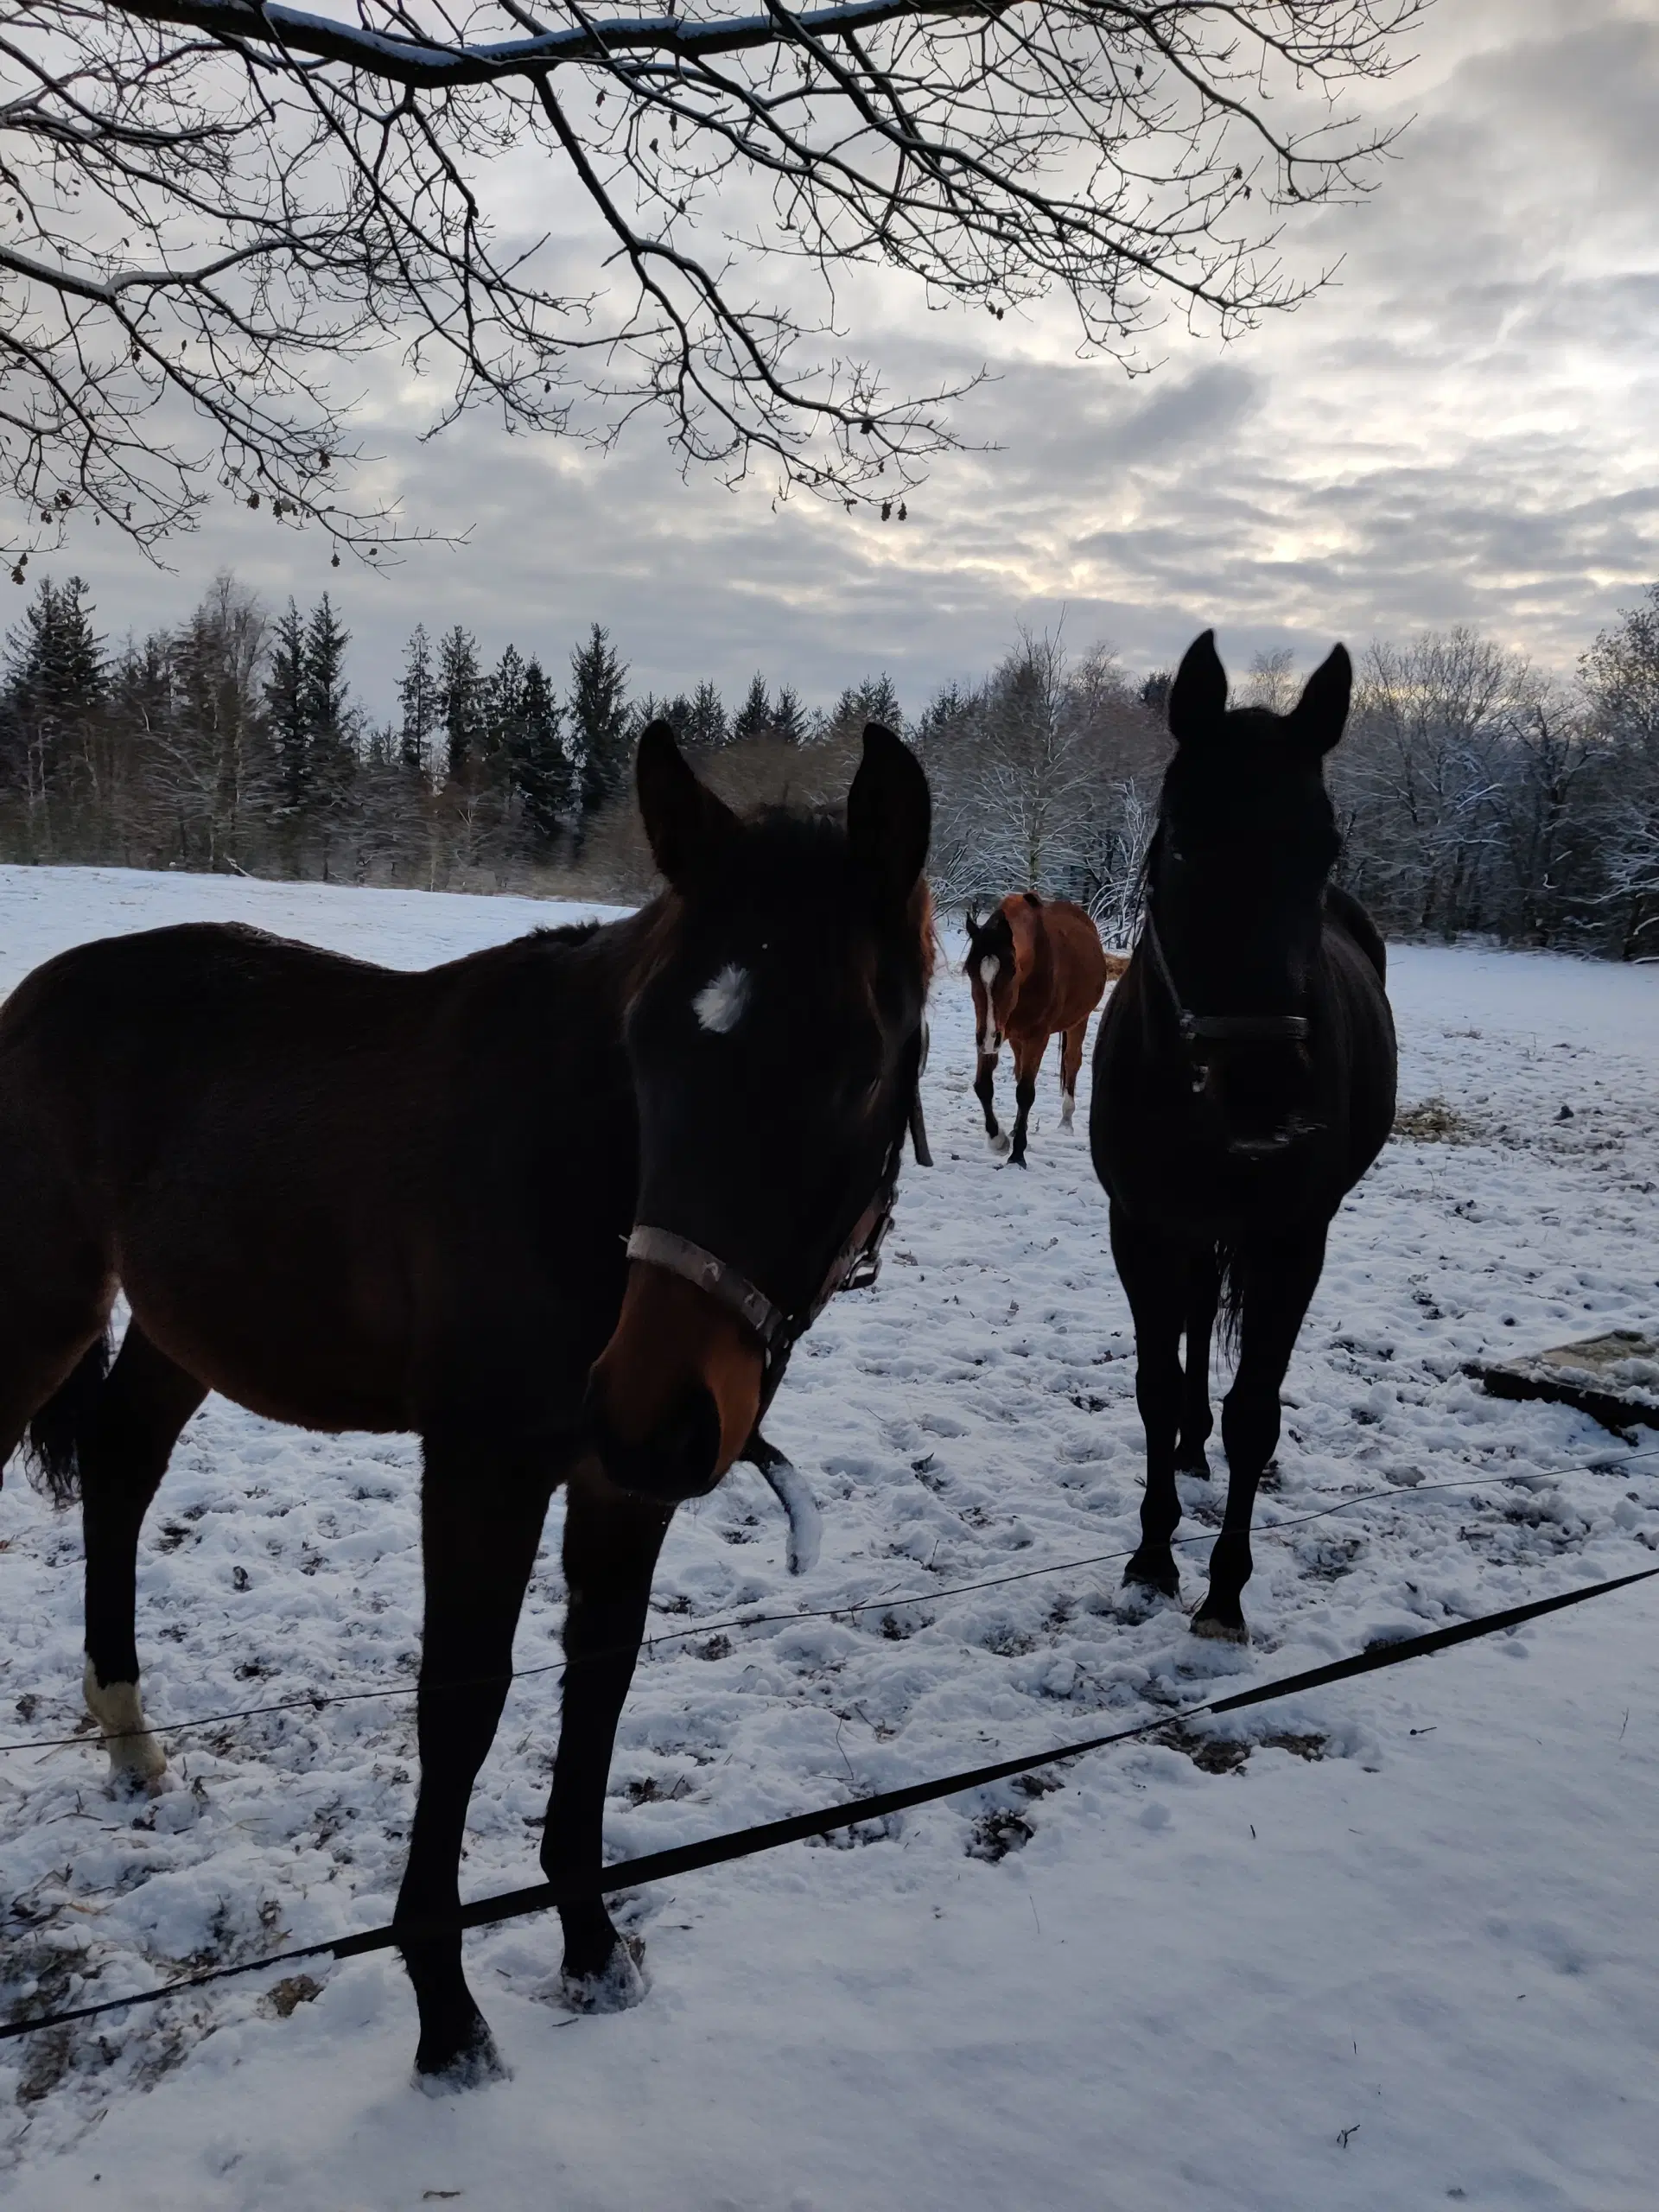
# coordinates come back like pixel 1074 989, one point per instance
pixel 719 1006
pixel 988 972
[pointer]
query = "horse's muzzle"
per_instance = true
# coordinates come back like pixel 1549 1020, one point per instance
pixel 678 1458
pixel 674 1396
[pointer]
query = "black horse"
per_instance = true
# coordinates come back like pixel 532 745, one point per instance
pixel 562 1208
pixel 1245 1078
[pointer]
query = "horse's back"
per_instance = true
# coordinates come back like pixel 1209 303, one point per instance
pixel 1080 968
pixel 265 1142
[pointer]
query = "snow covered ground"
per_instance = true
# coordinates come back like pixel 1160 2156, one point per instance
pixel 1419 1966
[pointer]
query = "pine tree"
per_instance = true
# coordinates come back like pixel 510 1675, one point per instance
pixel 542 767
pixel 55 682
pixel 501 717
pixel 286 704
pixel 418 704
pixel 706 725
pixel 789 716
pixel 331 724
pixel 600 720
pixel 754 715
pixel 324 687
pixel 875 700
pixel 458 703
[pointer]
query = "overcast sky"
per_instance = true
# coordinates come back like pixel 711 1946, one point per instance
pixel 1464 429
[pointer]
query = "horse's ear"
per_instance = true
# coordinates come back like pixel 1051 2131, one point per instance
pixel 686 823
pixel 1198 698
pixel 1318 716
pixel 889 814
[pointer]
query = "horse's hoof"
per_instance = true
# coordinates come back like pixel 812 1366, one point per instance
pixel 999 1143
pixel 138 1762
pixel 619 1984
pixel 474 2066
pixel 1219 1631
pixel 1161 1575
pixel 1198 1466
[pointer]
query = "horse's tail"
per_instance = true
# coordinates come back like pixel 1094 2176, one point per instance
pixel 52 1439
pixel 1230 1297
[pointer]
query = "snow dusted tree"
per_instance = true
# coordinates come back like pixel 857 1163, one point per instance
pixel 1271 682
pixel 1416 783
pixel 1030 782
pixel 1621 680
pixel 214 206
pixel 209 743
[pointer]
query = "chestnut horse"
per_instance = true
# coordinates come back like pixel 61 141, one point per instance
pixel 560 1207
pixel 1244 1078
pixel 1037 969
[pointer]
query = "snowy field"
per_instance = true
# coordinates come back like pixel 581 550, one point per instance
pixel 1387 1946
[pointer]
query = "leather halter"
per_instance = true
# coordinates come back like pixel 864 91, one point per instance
pixel 1219 1028
pixel 855 1266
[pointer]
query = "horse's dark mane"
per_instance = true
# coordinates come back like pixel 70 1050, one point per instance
pixel 565 932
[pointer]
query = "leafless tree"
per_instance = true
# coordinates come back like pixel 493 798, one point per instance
pixel 204 756
pixel 206 205
pixel 1620 677
pixel 1418 781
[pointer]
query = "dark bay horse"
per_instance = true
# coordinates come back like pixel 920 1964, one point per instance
pixel 1244 1079
pixel 1037 971
pixel 560 1207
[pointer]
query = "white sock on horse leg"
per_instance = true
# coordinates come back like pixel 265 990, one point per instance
pixel 135 1755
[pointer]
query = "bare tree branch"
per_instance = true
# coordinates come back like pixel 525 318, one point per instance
pixel 209 207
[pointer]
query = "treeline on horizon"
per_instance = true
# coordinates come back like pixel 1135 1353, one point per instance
pixel 1475 796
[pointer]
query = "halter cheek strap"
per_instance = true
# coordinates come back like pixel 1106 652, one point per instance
pixel 1220 1028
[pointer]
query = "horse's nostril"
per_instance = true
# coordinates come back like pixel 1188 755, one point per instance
pixel 688 1443
pixel 678 1458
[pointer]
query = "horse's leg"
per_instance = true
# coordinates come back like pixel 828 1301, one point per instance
pixel 1278 1280
pixel 1071 1061
pixel 611 1543
pixel 1027 1058
pixel 131 1431
pixel 1154 1273
pixel 1203 1295
pixel 481 1515
pixel 985 1092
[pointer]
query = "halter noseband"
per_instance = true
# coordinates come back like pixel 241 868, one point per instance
pixel 854 1266
pixel 1219 1028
